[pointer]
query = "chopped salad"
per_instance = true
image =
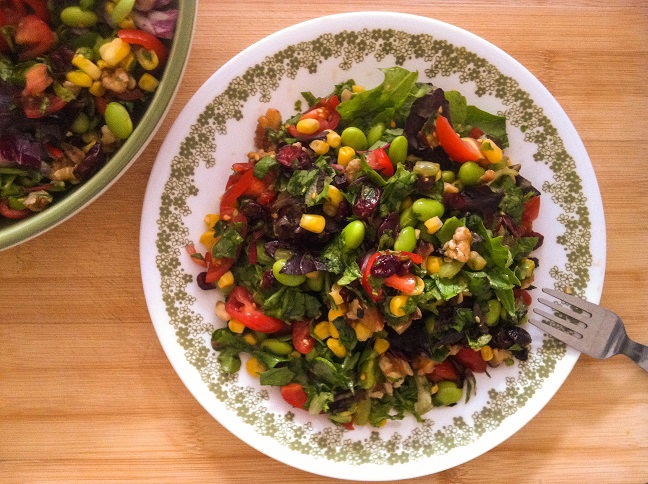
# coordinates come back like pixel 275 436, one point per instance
pixel 75 77
pixel 374 251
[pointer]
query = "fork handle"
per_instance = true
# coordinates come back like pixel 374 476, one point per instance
pixel 636 352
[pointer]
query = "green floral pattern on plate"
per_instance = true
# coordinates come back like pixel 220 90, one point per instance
pixel 261 80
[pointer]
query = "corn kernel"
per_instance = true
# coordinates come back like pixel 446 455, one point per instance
pixel 250 339
pixel 333 139
pixel 319 147
pixel 115 51
pixel 334 195
pixel 211 219
pixel 254 367
pixel 433 264
pixel 357 89
pixel 102 64
pixel 486 353
pixel 322 330
pixel 382 422
pixel 128 62
pixel 336 313
pixel 363 333
pixel 148 59
pixel 381 346
pixel 418 289
pixel 87 66
pixel 433 224
pixel 345 155
pixel 127 23
pixel 333 330
pixel 491 151
pixel 330 209
pixel 336 347
pixel 434 389
pixel 335 294
pixel 79 78
pixel 208 239
pixel 148 83
pixel 97 89
pixel 396 305
pixel 226 280
pixel 308 126
pixel 235 326
pixel 312 223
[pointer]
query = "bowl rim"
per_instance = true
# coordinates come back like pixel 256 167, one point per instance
pixel 83 195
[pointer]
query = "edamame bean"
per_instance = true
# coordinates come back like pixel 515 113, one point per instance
pixel 375 133
pixel 450 269
pixel 407 218
pixel 426 208
pixel 283 254
pixel 447 394
pixel 470 173
pixel 87 4
pixel 448 176
pixel 426 168
pixel 78 18
pixel 369 368
pixel 406 240
pixel 493 312
pixel 81 124
pixel 230 362
pixel 122 9
pixel 353 234
pixel 316 282
pixel 355 138
pixel 286 279
pixel 398 150
pixel 277 347
pixel 118 120
pixel 362 412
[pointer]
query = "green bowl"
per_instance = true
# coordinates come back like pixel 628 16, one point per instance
pixel 15 232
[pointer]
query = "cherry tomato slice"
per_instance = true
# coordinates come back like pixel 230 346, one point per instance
pixel 243 182
pixel 452 144
pixel 302 339
pixel 379 161
pixel 444 371
pixel 323 111
pixel 531 211
pixel 35 35
pixel 146 40
pixel 472 360
pixel 39 107
pixel 240 306
pixel 8 212
pixel 405 283
pixel 524 294
pixel 294 394
pixel 375 294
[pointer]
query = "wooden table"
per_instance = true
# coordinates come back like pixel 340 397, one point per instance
pixel 87 393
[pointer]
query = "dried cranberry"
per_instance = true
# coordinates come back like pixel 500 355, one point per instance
pixel 385 265
pixel 268 279
pixel 294 157
pixel 367 202
pixel 202 284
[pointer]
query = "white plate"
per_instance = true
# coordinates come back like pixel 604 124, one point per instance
pixel 216 129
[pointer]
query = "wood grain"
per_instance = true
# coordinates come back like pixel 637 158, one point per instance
pixel 87 394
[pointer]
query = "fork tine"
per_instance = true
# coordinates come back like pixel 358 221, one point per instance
pixel 582 318
pixel 553 318
pixel 557 333
pixel 573 300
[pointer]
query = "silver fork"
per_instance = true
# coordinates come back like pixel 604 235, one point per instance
pixel 588 328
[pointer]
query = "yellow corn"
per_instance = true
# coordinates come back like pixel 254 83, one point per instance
pixel 336 313
pixel 433 224
pixel 87 66
pixel 313 275
pixel 250 339
pixel 254 367
pixel 433 264
pixel 97 89
pixel 382 422
pixel 319 147
pixel 312 223
pixel 334 195
pixel 226 280
pixel 336 347
pixel 381 346
pixel 358 89
pixel 79 78
pixel 127 23
pixel 475 261
pixel 308 126
pixel 406 203
pixel 363 333
pixel 211 219
pixel 396 305
pixel 115 51
pixel 329 209
pixel 148 59
pixel 333 330
pixel 322 330
pixel 434 389
pixel 208 239
pixel 420 285
pixel 486 353
pixel 235 326
pixel 345 155
pixel 333 139
pixel 491 151
pixel 102 64
pixel 148 83
pixel 129 62
pixel 335 294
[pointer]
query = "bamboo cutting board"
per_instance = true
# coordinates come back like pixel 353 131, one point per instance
pixel 87 394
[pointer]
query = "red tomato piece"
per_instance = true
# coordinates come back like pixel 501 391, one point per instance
pixel 379 161
pixel 240 306
pixel 444 371
pixel 191 250
pixel 302 339
pixel 472 360
pixel 8 212
pixel 39 107
pixel 457 149
pixel 37 79
pixel 405 283
pixel 323 111
pixel 524 294
pixel 146 40
pixel 217 267
pixel 35 35
pixel 531 211
pixel 375 294
pixel 294 394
